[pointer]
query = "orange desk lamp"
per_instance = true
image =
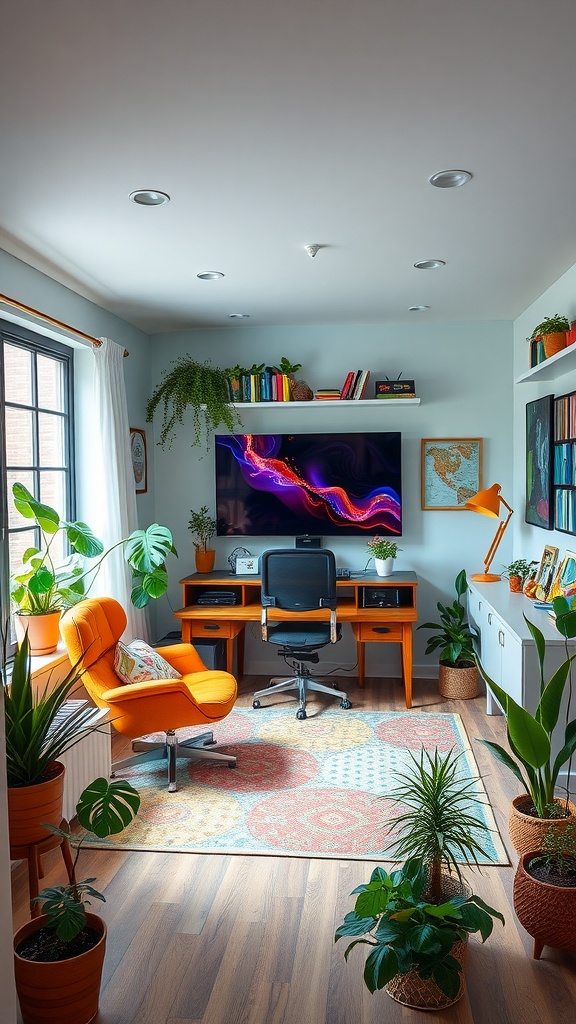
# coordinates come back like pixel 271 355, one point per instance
pixel 488 504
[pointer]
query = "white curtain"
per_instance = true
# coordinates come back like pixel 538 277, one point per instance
pixel 113 497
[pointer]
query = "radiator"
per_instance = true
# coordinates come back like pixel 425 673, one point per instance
pixel 90 759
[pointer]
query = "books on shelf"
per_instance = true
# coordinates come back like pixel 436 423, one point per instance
pixel 268 386
pixel 355 385
pixel 327 394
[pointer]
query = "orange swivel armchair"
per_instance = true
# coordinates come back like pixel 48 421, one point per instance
pixel 91 630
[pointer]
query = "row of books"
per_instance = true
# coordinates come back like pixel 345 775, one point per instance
pixel 355 385
pixel 565 509
pixel 268 386
pixel 565 464
pixel 565 417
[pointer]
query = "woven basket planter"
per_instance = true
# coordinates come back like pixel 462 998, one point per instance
pixel 554 343
pixel 458 683
pixel 412 990
pixel 526 832
pixel 547 912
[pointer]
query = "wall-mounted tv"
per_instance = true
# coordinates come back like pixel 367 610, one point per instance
pixel 270 485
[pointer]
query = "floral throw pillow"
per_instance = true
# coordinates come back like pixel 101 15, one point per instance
pixel 137 662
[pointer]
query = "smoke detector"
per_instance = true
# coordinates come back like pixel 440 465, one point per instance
pixel 313 249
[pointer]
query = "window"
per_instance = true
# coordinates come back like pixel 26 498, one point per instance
pixel 36 376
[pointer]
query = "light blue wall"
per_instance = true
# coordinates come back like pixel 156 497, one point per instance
pixel 463 374
pixel 560 298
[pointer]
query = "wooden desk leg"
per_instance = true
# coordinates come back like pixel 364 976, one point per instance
pixel 230 654
pixel 186 632
pixel 360 656
pixel 407 661
pixel 240 653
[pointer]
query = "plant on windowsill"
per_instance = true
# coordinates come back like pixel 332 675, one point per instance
pixel 517 573
pixel 203 387
pixel 58 957
pixel 204 526
pixel 538 810
pixel 383 552
pixel 40 589
pixel 417 919
pixel 457 673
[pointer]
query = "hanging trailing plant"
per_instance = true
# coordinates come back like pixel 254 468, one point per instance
pixel 203 387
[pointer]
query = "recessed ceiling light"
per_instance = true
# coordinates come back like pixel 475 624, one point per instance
pixel 239 316
pixel 450 179
pixel 429 264
pixel 417 309
pixel 149 197
pixel 210 275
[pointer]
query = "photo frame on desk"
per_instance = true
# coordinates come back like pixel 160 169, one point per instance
pixel 564 584
pixel 451 472
pixel 539 460
pixel 546 572
pixel 139 459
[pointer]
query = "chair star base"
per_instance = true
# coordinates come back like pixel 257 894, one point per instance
pixel 194 749
pixel 301 682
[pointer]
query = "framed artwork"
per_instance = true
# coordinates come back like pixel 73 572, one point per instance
pixel 451 472
pixel 539 455
pixel 546 572
pixel 564 584
pixel 139 459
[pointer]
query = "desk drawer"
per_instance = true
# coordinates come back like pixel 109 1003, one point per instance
pixel 379 632
pixel 212 627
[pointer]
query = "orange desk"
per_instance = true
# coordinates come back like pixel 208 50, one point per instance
pixel 380 609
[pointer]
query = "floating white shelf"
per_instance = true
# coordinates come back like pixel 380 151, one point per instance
pixel 327 402
pixel 552 368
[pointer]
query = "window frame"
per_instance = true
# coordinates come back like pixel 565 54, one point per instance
pixel 37 344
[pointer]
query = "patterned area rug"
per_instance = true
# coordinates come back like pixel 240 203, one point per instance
pixel 316 788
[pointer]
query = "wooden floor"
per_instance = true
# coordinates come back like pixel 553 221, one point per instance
pixel 215 939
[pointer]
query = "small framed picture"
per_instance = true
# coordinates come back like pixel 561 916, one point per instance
pixel 451 469
pixel 139 459
pixel 539 462
pixel 546 572
pixel 564 584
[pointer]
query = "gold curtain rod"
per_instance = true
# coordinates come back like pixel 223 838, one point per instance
pixel 50 320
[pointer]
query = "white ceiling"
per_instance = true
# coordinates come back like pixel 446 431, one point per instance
pixel 274 124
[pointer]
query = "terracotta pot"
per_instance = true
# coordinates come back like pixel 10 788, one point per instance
pixel 457 683
pixel 205 560
pixel 424 994
pixel 43 631
pixel 66 991
pixel 547 912
pixel 29 806
pixel 554 343
pixel 515 584
pixel 526 832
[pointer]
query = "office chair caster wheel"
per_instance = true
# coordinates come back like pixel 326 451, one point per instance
pixel 346 704
pixel 301 714
pixel 256 704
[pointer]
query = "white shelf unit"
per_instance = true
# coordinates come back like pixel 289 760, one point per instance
pixel 552 368
pixel 328 402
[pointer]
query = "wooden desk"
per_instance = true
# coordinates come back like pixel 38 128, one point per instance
pixel 358 603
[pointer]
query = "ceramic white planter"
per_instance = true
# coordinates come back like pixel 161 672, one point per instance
pixel 384 566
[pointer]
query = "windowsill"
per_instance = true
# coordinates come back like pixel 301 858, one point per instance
pixel 46 662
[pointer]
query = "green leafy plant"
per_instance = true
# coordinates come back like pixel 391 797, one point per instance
pixel 530 735
pixel 520 568
pixel 405 930
pixel 380 547
pixel 558 856
pixel 285 366
pixel 550 325
pixel 440 823
pixel 103 809
pixel 39 586
pixel 454 639
pixel 203 387
pixel 32 741
pixel 203 525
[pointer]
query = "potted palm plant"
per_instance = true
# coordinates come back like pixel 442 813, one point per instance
pixel 538 809
pixel 204 527
pixel 544 892
pixel 416 919
pixel 58 957
pixel 41 589
pixel 457 674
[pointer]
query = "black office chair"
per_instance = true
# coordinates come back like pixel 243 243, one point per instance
pixel 299 581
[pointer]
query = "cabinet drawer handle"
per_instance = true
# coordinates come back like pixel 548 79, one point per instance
pixel 501 638
pixel 380 629
pixel 489 618
pixel 211 625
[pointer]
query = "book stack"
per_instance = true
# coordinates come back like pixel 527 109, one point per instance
pixel 354 387
pixel 395 389
pixel 268 386
pixel 327 394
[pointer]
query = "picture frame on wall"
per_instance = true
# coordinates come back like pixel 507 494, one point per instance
pixel 546 572
pixel 451 472
pixel 539 463
pixel 139 459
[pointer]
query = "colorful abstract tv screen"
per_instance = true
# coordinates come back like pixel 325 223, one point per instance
pixel 270 485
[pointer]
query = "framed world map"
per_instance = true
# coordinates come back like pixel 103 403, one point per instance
pixel 451 472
